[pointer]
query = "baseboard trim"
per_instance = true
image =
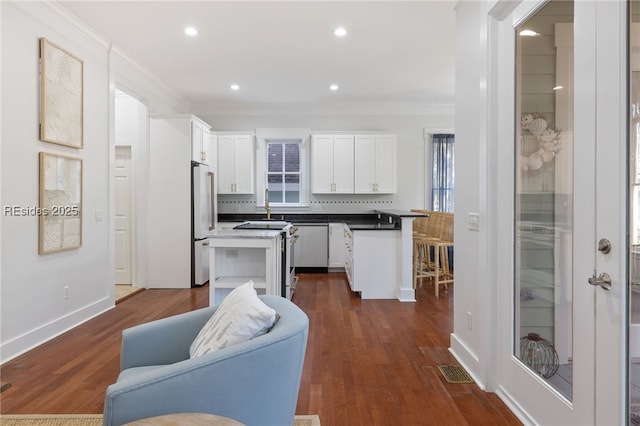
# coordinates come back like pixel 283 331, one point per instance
pixel 467 358
pixel 42 334
pixel 515 408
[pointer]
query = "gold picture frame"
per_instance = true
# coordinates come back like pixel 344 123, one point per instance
pixel 60 210
pixel 61 96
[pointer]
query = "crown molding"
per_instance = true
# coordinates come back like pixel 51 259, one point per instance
pixel 327 109
pixel 55 16
pixel 153 78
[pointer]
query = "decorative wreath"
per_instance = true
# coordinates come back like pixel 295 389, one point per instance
pixel 548 142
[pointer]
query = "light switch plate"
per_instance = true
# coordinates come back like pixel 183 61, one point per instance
pixel 98 215
pixel 474 222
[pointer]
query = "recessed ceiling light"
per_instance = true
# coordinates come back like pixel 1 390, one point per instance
pixel 190 31
pixel 235 87
pixel 340 32
pixel 333 87
pixel 529 33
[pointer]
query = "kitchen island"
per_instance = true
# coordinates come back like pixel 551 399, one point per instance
pixel 237 256
pixel 379 256
pixel 377 250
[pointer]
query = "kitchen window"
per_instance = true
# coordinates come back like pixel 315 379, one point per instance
pixel 282 167
pixel 283 173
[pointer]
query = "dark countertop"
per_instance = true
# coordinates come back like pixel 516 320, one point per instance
pixel 400 213
pixel 376 220
pixel 297 218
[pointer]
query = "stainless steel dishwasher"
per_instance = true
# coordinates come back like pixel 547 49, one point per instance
pixel 312 247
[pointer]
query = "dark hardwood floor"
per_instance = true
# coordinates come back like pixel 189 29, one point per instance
pixel 369 362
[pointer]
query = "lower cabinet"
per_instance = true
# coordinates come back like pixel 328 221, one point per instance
pixel 234 261
pixel 337 253
pixel 372 265
pixel 348 255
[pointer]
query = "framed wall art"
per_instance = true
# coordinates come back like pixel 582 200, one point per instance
pixel 60 203
pixel 61 96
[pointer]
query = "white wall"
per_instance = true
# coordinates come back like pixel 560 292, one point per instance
pixel 409 130
pixel 471 168
pixel 33 309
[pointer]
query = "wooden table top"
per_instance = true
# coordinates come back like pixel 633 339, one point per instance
pixel 181 419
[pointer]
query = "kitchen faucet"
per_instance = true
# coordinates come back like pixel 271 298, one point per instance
pixel 266 203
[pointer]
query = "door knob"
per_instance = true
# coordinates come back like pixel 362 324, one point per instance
pixel 604 280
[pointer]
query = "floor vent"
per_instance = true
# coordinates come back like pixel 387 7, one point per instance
pixel 455 374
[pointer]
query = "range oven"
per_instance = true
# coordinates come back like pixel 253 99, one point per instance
pixel 289 237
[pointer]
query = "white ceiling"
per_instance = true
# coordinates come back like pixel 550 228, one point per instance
pixel 283 53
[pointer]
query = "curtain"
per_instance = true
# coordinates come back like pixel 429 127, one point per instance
pixel 443 176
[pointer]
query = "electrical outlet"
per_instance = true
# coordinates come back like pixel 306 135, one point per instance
pixel 65 292
pixel 469 320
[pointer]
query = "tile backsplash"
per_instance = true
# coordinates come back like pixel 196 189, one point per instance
pixel 331 204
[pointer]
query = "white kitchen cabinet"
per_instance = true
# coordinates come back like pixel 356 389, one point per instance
pixel 236 259
pixel 375 164
pixel 213 152
pixel 348 256
pixel 332 164
pixel 235 163
pixel 372 265
pixel 200 141
pixel 337 251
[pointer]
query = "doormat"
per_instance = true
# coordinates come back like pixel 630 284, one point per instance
pixel 4 386
pixel 455 374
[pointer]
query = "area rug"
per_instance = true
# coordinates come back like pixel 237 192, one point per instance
pixel 96 420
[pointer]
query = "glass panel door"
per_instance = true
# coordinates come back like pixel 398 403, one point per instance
pixel 543 329
pixel 634 213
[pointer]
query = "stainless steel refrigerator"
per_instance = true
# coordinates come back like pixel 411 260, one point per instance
pixel 203 202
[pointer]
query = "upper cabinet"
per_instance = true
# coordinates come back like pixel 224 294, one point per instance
pixel 332 164
pixel 375 164
pixel 200 142
pixel 235 163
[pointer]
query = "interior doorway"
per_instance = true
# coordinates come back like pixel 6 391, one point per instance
pixel 130 130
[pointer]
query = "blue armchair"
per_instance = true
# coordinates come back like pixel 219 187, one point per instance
pixel 254 382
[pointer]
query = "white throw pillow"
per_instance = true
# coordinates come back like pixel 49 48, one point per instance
pixel 240 317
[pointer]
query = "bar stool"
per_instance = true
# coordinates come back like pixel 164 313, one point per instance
pixel 426 230
pixel 443 274
pixel 431 251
